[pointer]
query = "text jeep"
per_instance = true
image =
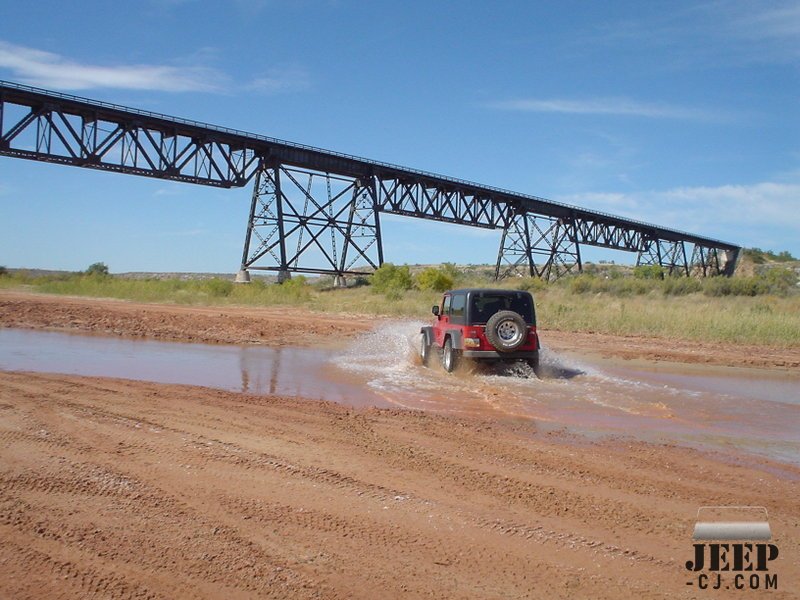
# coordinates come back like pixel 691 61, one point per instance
pixel 483 324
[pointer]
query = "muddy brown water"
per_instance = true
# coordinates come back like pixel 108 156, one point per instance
pixel 755 411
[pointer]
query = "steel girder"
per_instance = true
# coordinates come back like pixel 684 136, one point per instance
pixel 49 133
pixel 538 246
pixel 329 222
pixel 598 232
pixel 421 199
pixel 673 258
pixel 282 236
pixel 549 247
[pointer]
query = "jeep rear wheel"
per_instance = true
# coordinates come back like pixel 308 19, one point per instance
pixel 506 330
pixel 425 351
pixel 450 356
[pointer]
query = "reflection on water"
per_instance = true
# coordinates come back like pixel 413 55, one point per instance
pixel 720 408
pixel 304 372
pixel 264 373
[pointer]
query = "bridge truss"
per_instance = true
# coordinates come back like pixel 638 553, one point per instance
pixel 317 211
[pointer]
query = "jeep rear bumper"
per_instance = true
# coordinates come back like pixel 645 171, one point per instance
pixel 495 354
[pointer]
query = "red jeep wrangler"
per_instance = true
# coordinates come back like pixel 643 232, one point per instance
pixel 483 324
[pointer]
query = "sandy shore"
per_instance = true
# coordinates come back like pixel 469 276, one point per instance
pixel 119 489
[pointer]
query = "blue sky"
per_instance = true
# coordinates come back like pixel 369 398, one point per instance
pixel 684 114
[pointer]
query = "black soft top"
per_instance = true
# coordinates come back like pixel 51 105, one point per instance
pixel 481 303
pixel 498 291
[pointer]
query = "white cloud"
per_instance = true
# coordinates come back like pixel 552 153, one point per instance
pixel 608 106
pixel 711 33
pixel 777 21
pixel 37 67
pixel 757 32
pixel 50 70
pixel 745 214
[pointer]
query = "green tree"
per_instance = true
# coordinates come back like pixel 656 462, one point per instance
pixel 437 280
pixel 648 272
pixel 451 270
pixel 389 277
pixel 97 269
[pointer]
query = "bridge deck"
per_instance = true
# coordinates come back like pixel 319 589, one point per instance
pixel 49 126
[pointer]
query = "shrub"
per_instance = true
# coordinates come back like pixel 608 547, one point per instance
pixel 759 256
pixel 630 286
pixel 755 254
pixel 582 284
pixel 3 271
pixel 451 271
pixel 681 286
pixel 390 277
pixel 648 272
pixel 718 286
pixel 779 281
pixel 531 284
pixel 436 280
pixel 97 269
pixel 730 286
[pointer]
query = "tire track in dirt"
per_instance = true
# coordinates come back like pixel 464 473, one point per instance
pixel 174 491
pixel 543 499
pixel 88 582
pixel 216 450
pixel 246 566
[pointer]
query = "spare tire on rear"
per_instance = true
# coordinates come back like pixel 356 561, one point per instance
pixel 506 330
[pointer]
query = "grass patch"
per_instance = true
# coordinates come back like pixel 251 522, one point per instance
pixel 762 310
pixel 765 320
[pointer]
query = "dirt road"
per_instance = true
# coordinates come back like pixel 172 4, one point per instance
pixel 112 489
pixel 268 325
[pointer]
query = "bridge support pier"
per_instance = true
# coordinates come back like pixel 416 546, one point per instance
pixel 669 255
pixel 709 261
pixel 304 221
pixel 672 257
pixel 538 246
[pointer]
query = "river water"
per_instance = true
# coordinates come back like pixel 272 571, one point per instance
pixel 756 411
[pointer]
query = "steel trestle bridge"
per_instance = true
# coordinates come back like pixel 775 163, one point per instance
pixel 318 211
